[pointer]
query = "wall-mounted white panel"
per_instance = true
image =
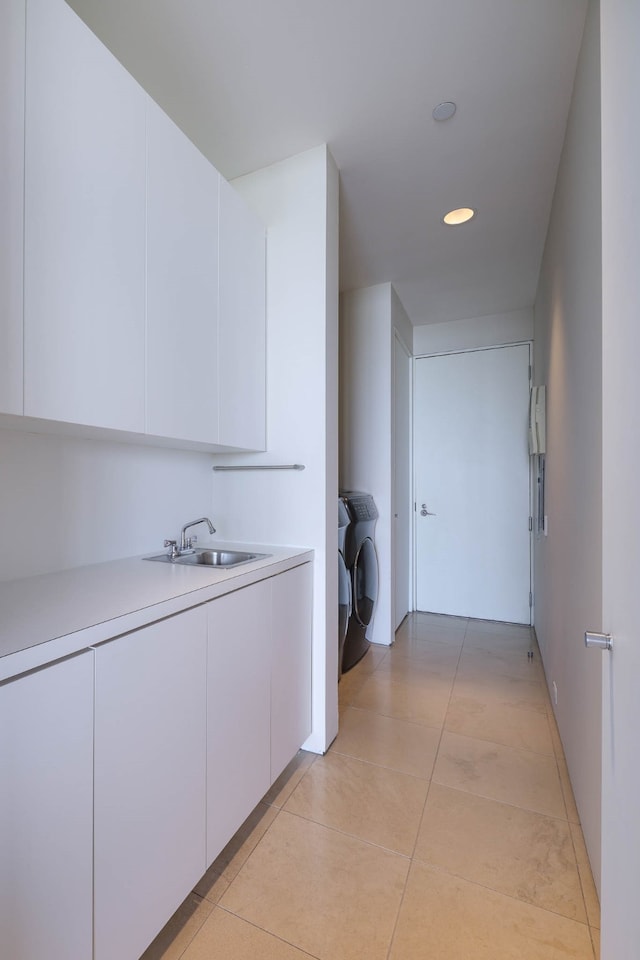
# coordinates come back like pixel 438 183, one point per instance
pixel 620 73
pixel 182 285
pixel 46 813
pixel 84 226
pixel 242 333
pixel 12 58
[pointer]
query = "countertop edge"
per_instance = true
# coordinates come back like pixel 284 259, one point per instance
pixel 204 585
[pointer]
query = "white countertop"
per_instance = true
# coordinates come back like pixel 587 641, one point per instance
pixel 44 618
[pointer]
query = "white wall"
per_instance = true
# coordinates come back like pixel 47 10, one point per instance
pixel 472 334
pixel 365 424
pixel 66 502
pixel 12 67
pixel 400 321
pixel 297 199
pixel 568 359
pixel 368 319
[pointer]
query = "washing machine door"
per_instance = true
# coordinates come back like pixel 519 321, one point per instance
pixel 344 606
pixel 365 582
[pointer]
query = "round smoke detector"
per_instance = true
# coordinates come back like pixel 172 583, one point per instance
pixel 444 111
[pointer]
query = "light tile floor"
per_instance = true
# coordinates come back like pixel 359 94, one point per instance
pixel 440 824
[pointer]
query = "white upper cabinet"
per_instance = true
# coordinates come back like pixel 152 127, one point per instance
pixel 139 301
pixel 84 227
pixel 182 285
pixel 11 195
pixel 242 324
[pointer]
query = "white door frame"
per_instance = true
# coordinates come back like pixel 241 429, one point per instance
pixel 410 586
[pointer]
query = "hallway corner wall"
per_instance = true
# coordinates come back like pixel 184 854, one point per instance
pixel 297 199
pixel 568 360
pixel 368 321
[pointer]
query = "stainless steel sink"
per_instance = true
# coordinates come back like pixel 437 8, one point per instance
pixel 211 558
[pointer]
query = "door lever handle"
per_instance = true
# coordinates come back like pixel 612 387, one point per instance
pixel 426 513
pixel 601 641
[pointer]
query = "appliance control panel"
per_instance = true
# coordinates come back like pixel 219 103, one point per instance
pixel 364 509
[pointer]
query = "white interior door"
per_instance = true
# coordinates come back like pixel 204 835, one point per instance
pixel 472 484
pixel 402 482
pixel 621 469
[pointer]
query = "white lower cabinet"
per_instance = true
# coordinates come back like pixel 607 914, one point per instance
pixel 46 791
pixel 258 695
pixel 126 769
pixel 238 705
pixel 150 769
pixel 290 664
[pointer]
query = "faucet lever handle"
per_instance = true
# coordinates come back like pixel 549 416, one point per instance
pixel 174 547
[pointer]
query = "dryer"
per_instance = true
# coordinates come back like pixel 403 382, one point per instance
pixel 362 562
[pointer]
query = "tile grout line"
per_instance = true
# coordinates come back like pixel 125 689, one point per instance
pixel 424 807
pixel 289 943
pixel 580 880
pixel 411 859
pixel 351 836
pixel 182 953
pixel 524 750
pixel 437 868
pixel 517 806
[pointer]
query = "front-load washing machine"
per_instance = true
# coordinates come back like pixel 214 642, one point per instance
pixel 344 581
pixel 362 562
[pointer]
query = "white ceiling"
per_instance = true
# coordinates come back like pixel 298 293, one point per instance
pixel 255 81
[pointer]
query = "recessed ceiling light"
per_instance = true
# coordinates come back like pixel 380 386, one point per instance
pixel 461 215
pixel 444 111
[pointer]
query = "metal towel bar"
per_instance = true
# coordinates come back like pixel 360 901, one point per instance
pixel 263 466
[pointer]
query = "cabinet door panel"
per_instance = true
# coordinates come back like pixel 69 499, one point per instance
pixel 12 39
pixel 242 324
pixel 84 227
pixel 238 710
pixel 46 808
pixel 150 720
pixel 290 665
pixel 182 285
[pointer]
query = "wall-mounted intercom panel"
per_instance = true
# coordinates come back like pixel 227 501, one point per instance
pixel 537 421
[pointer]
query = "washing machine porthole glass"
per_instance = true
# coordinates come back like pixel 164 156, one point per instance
pixel 365 582
pixel 344 597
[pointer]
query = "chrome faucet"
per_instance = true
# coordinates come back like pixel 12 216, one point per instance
pixel 186 543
